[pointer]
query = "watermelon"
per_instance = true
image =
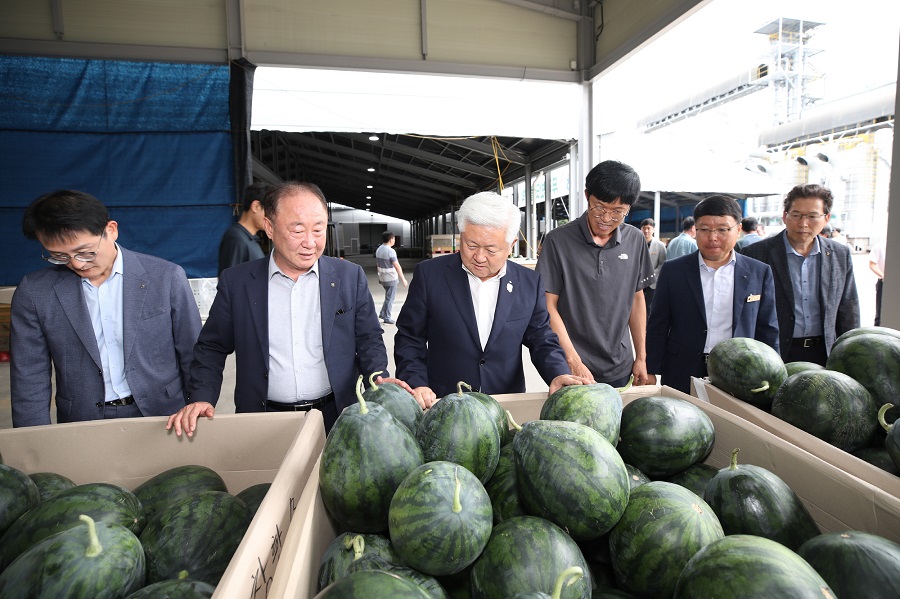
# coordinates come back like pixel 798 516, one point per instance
pixel 183 588
pixel 524 555
pixel 606 593
pixel 349 547
pixel 102 502
pixel 873 359
pixel 892 441
pixel 18 494
pixel 253 496
pixel 100 560
pixel 662 528
pixel 746 368
pixel 695 478
pixel 866 331
pixel 662 436
pixel 427 583
pixel 749 567
pixel 460 429
pixel 571 475
pixel 795 367
pixel 598 406
pixel 753 501
pixel 396 400
pixel 50 484
pixel 440 518
pixel 829 405
pixel 565 578
pixel 175 484
pixel 366 456
pixel 879 457
pixel 372 583
pixel 498 414
pixel 635 476
pixel 181 536
pixel 503 487
pixel 855 564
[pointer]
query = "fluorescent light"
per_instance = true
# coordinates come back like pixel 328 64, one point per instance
pixel 368 197
pixel 373 138
pixel 368 187
pixel 370 169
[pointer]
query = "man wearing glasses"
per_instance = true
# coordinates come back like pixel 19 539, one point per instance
pixel 117 327
pixel 595 269
pixel 815 292
pixel 708 296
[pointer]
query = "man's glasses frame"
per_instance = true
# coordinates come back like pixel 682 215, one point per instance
pixel 60 258
pixel 613 215
pixel 720 231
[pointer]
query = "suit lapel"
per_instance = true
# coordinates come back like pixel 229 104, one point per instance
pixel 696 285
pixel 826 282
pixel 458 284
pixel 257 289
pixel 134 293
pixel 509 285
pixel 741 280
pixel 778 262
pixel 329 291
pixel 68 292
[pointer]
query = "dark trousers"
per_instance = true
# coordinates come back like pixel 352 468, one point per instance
pixel 814 353
pixel 129 411
pixel 648 299
pixel 879 287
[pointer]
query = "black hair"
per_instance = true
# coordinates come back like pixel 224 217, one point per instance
pixel 816 192
pixel 648 221
pixel 275 193
pixel 718 206
pixel 386 236
pixel 749 224
pixel 64 213
pixel 687 223
pixel 610 181
pixel 254 192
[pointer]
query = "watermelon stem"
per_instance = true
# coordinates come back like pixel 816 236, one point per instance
pixel 460 385
pixel 627 385
pixel 363 408
pixel 881 413
pixel 372 379
pixel 94 547
pixel 765 387
pixel 734 463
pixel 183 575
pixel 457 506
pixel 512 421
pixel 359 547
pixel 567 577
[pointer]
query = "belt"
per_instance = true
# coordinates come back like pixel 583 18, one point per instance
pixel 300 406
pixel 807 341
pixel 122 401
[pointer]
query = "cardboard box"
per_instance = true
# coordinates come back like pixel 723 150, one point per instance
pixel 861 469
pixel 245 449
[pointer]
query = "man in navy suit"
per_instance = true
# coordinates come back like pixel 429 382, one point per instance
pixel 302 325
pixel 117 327
pixel 707 296
pixel 467 315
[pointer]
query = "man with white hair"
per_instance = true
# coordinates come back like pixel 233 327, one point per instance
pixel 467 315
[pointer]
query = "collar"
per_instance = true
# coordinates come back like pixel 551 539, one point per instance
pixel 705 266
pixel 273 269
pixel 815 250
pixel 589 237
pixel 496 277
pixel 118 267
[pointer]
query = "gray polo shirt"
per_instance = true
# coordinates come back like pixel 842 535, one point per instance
pixel 596 286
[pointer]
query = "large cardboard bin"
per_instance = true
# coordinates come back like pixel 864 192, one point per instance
pixel 245 449
pixel 862 469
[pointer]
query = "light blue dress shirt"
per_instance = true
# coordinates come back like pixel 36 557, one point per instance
pixel 805 279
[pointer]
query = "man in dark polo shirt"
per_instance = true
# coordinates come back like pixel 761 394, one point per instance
pixel 595 269
pixel 240 243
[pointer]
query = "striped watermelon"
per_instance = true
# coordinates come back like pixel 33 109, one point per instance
pixel 50 483
pixel 183 588
pixel 428 584
pixel 18 494
pixel 175 484
pixel 892 441
pixel 565 578
pixel 694 478
pixel 873 359
pixel 598 406
pixel 372 583
pixel 503 487
pixel 253 496
pixel 396 400
pixel 746 368
pixel 635 477
pixel 349 547
pixel 855 564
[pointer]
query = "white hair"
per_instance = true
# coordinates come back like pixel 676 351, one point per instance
pixel 491 210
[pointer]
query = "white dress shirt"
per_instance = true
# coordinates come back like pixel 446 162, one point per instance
pixel 484 300
pixel 718 299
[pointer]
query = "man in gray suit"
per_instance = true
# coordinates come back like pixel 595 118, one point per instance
pixel 117 327
pixel 815 292
pixel 657 251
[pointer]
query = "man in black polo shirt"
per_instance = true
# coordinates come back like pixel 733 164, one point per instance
pixel 595 269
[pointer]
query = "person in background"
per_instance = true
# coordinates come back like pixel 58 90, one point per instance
pixel 467 315
pixel 389 272
pixel 684 244
pixel 750 227
pixel 876 265
pixel 708 296
pixel 595 269
pixel 240 243
pixel 815 291
pixel 657 251
pixel 117 328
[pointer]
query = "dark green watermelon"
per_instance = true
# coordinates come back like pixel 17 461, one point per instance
pixel 569 474
pixel 372 583
pixel 866 331
pixel 181 537
pixel 748 369
pixel 635 476
pixel 662 436
pixel 175 484
pixel 598 406
pixel 565 578
pixel 396 400
pixel 855 564
pixel 427 583
pixel 498 414
pixel 795 367
pixel 90 560
pixel 367 455
pixel 753 501
pixel 347 548
pixel 18 494
pixel 102 502
pixel 748 567
pixel 829 405
pixel 253 495
pixel 892 441
pixel 524 555
pixel 459 585
pixel 606 593
pixel 694 478
pixel 503 487
pixel 873 360
pixel 175 589
pixel 440 518
pixel 662 528
pixel 461 430
pixel 50 484
pixel 878 456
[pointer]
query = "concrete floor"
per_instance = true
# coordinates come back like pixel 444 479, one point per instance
pixel 865 281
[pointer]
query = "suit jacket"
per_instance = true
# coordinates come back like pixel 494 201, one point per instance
pixel 657 257
pixel 239 322
pixel 837 293
pixel 676 332
pixel 437 342
pixel 51 325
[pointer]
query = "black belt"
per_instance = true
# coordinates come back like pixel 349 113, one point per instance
pixel 807 341
pixel 122 401
pixel 300 406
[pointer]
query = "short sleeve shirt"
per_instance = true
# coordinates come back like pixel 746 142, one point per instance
pixel 385 256
pixel 596 287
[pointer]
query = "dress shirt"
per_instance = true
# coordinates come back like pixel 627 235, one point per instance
pixel 296 356
pixel 718 299
pixel 484 300
pixel 805 278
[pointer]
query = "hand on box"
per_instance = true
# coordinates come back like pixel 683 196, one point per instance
pixel 185 419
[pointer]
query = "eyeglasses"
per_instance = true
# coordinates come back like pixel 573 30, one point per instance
pixel 613 215
pixel 720 231
pixel 810 217
pixel 60 258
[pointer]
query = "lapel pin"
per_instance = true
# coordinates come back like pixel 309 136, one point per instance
pixel 509 286
pixel 332 284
